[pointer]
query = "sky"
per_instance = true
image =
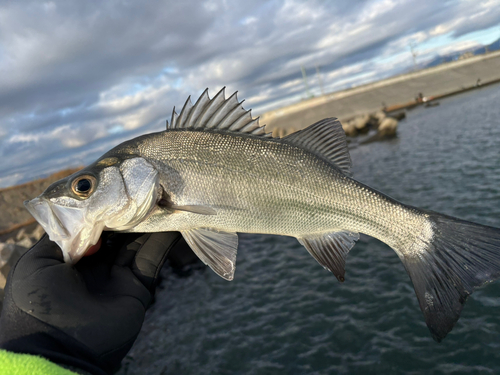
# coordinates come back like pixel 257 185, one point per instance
pixel 79 77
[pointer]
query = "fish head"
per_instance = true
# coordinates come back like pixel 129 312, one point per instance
pixel 111 194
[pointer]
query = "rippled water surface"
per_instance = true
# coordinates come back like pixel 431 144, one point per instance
pixel 284 314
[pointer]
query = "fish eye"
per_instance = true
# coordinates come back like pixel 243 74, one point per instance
pixel 83 186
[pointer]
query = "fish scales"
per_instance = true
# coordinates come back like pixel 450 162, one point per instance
pixel 215 172
pixel 269 187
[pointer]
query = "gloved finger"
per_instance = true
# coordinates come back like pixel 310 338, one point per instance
pixel 151 255
pixel 43 254
pixel 96 269
pixel 130 244
pixel 107 253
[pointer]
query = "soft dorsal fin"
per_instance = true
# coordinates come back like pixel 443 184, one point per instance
pixel 217 113
pixel 330 249
pixel 326 138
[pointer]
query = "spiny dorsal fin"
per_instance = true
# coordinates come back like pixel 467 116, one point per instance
pixel 172 120
pixel 326 138
pixel 184 113
pixel 217 113
pixel 199 106
pixel 330 249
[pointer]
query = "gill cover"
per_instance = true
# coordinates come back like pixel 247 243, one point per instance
pixel 125 194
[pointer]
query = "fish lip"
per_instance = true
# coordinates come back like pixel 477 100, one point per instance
pixel 42 211
pixel 66 226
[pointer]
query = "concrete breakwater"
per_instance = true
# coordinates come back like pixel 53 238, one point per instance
pixel 392 93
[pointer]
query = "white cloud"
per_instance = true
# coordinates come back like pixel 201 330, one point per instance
pixel 74 73
pixel 459 46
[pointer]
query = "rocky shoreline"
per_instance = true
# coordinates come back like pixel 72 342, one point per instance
pixel 384 125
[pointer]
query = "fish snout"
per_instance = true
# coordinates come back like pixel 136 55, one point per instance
pixel 42 212
pixel 66 226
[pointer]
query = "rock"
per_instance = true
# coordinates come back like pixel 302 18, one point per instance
pixel 376 119
pixel 20 234
pixel 9 254
pixel 37 233
pixel 361 124
pixel 388 127
pixel 26 242
pixel 380 115
pixel 399 116
pixel 350 129
pixel 372 123
pixel 6 250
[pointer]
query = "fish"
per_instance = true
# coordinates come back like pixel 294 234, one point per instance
pixel 215 172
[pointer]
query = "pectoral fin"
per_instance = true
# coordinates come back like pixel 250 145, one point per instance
pixel 215 249
pixel 202 210
pixel 195 209
pixel 330 249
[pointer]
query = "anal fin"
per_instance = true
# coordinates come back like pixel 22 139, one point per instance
pixel 330 249
pixel 214 248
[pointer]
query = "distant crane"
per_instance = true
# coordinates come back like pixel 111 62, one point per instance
pixel 304 76
pixel 414 54
pixel 320 80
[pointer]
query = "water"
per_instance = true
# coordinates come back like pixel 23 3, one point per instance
pixel 284 314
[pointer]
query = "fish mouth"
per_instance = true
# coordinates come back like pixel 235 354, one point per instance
pixel 66 226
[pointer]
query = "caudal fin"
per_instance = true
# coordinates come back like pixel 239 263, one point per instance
pixel 448 265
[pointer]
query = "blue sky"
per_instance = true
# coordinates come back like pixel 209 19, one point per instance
pixel 76 78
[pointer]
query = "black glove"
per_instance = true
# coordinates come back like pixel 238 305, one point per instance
pixel 89 315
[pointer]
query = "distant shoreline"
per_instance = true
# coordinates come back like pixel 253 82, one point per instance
pixel 392 94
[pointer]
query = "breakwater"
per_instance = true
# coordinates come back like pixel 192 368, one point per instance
pixel 393 93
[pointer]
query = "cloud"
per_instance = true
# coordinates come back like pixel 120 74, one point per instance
pixel 85 73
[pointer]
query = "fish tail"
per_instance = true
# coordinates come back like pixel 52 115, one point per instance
pixel 446 263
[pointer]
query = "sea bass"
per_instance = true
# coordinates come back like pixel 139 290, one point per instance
pixel 215 172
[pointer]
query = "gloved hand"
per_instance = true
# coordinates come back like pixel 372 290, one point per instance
pixel 87 315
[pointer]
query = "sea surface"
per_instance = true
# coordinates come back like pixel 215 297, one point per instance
pixel 284 314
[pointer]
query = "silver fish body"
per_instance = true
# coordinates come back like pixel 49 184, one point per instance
pixel 260 185
pixel 214 172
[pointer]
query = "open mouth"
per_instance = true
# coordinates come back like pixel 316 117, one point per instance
pixel 66 226
pixel 43 213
